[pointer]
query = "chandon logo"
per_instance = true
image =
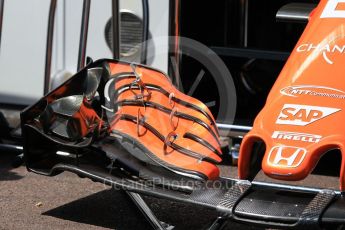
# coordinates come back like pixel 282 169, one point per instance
pixel 332 9
pixel 312 90
pixel 326 49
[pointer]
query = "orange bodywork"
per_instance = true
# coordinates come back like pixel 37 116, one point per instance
pixel 155 102
pixel 304 114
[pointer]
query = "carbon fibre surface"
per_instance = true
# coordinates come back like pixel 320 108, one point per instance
pixel 312 213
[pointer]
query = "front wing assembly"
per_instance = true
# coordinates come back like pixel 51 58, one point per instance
pixel 266 204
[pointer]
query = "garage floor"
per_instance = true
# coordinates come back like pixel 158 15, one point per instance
pixel 30 201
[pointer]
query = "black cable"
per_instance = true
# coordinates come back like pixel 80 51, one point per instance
pixel 49 46
pixel 145 28
pixel 116 29
pixel 84 34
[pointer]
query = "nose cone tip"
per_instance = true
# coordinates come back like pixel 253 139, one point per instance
pixel 286 163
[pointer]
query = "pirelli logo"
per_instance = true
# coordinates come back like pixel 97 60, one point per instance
pixel 293 136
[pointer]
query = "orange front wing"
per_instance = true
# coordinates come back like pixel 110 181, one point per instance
pixel 170 128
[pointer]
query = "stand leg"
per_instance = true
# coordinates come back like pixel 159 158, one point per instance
pixel 218 224
pixel 147 212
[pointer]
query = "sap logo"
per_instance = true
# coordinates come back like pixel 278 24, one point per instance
pixel 286 156
pixel 302 115
pixel 312 90
pixel 331 10
pixel 303 137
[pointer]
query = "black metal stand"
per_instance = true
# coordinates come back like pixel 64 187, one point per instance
pixel 115 27
pixel 146 22
pixel 218 224
pixel 49 46
pixel 2 3
pixel 147 212
pixel 50 35
pixel 84 34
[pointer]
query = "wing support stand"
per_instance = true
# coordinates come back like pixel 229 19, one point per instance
pixel 135 197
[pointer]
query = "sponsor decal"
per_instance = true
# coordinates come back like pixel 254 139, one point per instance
pixel 327 50
pixel 302 115
pixel 332 10
pixel 312 90
pixel 293 136
pixel 286 156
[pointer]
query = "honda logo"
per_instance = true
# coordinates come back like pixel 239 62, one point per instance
pixel 286 156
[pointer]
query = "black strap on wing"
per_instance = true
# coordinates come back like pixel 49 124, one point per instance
pixel 129 75
pixel 202 142
pixel 168 111
pixel 185 151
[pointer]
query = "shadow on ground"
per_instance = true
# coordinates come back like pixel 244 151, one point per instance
pixel 6 173
pixel 108 209
pixel 113 209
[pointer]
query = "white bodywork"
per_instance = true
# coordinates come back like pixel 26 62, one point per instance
pixel 23 43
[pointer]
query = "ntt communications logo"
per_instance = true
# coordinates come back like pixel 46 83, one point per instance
pixel 312 90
